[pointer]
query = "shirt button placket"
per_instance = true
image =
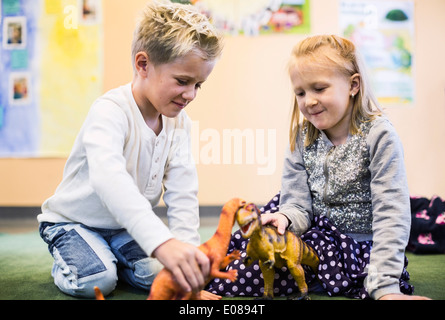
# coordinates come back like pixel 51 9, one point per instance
pixel 156 157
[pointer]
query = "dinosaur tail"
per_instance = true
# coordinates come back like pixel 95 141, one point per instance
pixel 98 293
pixel 310 257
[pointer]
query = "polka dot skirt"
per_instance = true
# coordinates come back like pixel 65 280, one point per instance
pixel 342 269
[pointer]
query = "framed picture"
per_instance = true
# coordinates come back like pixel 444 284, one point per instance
pixel 14 32
pixel 89 11
pixel 19 88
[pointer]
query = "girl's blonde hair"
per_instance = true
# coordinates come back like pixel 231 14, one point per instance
pixel 168 31
pixel 340 53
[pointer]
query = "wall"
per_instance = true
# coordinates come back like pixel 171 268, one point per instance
pixel 249 90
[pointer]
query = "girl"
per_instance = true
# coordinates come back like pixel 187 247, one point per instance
pixel 344 175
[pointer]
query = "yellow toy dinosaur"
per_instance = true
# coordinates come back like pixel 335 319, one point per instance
pixel 275 250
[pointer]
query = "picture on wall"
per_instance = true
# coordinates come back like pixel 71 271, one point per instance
pixel 90 13
pixel 19 88
pixel 384 33
pixel 256 17
pixel 14 32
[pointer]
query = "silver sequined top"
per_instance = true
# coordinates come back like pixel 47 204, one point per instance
pixel 339 181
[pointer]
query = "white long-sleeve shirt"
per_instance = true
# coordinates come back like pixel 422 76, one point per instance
pixel 117 169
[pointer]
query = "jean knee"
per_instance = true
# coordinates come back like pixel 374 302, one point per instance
pixel 143 273
pixel 147 269
pixel 66 279
pixel 106 282
pixel 78 267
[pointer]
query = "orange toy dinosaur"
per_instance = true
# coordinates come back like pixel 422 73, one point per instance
pixel 164 286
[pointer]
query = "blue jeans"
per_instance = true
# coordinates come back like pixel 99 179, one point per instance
pixel 86 257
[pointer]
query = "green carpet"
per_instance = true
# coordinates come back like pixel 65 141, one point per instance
pixel 25 266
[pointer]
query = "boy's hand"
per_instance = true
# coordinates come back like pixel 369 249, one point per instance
pixel 189 265
pixel 278 220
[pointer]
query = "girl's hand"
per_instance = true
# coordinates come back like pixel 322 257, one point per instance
pixel 189 265
pixel 395 296
pixel 278 220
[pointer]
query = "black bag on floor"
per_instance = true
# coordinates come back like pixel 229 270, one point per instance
pixel 427 225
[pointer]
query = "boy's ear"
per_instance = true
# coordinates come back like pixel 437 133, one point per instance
pixel 141 61
pixel 355 83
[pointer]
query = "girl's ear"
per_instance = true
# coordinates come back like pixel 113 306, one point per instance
pixel 355 84
pixel 141 63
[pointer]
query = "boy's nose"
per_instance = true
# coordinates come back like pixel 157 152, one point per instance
pixel 189 94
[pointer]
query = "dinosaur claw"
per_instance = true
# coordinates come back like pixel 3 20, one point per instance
pixel 233 275
pixel 299 296
pixel 236 254
pixel 269 263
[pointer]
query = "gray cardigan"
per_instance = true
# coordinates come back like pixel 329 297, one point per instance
pixel 361 187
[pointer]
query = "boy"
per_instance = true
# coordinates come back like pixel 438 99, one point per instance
pixel 135 141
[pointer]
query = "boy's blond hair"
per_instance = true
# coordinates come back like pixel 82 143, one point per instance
pixel 334 52
pixel 168 31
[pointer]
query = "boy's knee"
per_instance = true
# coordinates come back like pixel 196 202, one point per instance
pixel 106 281
pixel 143 273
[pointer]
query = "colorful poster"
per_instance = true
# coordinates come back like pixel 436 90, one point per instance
pixel 50 62
pixel 19 106
pixel 255 17
pixel 384 33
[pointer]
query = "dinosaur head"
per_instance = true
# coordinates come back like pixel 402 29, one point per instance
pixel 248 218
